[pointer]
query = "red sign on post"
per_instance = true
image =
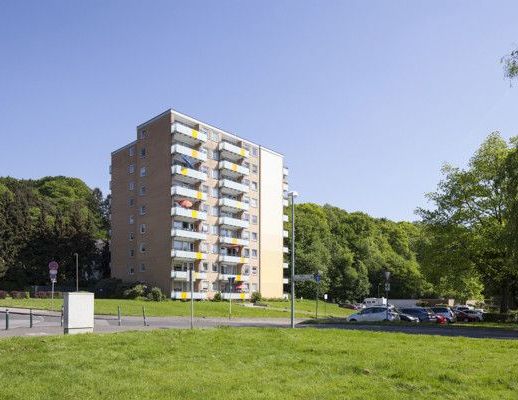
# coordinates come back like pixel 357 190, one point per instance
pixel 53 265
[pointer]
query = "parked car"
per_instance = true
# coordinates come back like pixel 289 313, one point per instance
pixel 407 318
pixel 373 314
pixel 446 312
pixel 470 316
pixel 459 308
pixel 424 314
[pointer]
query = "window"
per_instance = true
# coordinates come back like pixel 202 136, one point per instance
pixel 143 171
pixel 246 164
pixel 143 152
pixel 255 151
pixel 204 169
pixel 254 287
pixel 246 252
pixel 214 136
pixel 215 211
pixel 254 253
pixel 245 235
pixel 203 247
pixel 215 286
pixel 142 228
pixel 246 182
pixel 246 217
pixel 131 201
pixel 254 219
pixel 214 229
pixel 254 270
pixel 132 151
pixel 131 236
pixel 246 146
pixel 215 174
pixel 254 185
pixel 143 134
pixel 215 267
pixel 253 202
pixel 204 286
pixel 215 155
pixel 204 228
pixel 246 199
pixel 215 250
pixel 131 252
pixel 131 270
pixel 131 168
pixel 254 168
pixel 142 247
pixel 142 210
pixel 205 267
pixel 131 219
pixel 204 188
pixel 142 267
pixel 215 192
pixel 254 236
pixel 131 185
pixel 142 190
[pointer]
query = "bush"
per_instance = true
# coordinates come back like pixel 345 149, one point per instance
pixel 512 316
pixel 19 295
pixel 109 288
pixel 3 294
pixel 217 297
pixel 255 297
pixel 138 290
pixel 155 294
pixel 47 295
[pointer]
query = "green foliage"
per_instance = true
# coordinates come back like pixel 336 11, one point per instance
pixel 511 65
pixel 136 291
pixel 155 294
pixel 217 297
pixel 50 219
pixel 255 297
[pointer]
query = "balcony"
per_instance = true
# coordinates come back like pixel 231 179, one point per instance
pixel 237 277
pixel 285 281
pixel 285 218
pixel 184 275
pixel 186 234
pixel 187 134
pixel 229 222
pixel 235 296
pixel 188 255
pixel 188 175
pixel 189 152
pixel 233 241
pixel 233 259
pixel 232 205
pixel 285 265
pixel 232 152
pixel 232 187
pixel 285 171
pixel 186 193
pixel 285 187
pixel 285 250
pixel 186 214
pixel 285 203
pixel 285 234
pixel 187 295
pixel 232 169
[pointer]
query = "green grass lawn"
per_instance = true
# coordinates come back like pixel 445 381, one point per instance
pixel 178 308
pixel 246 363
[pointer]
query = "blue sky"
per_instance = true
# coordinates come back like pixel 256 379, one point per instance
pixel 366 99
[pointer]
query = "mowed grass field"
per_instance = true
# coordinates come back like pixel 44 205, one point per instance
pixel 305 308
pixel 247 363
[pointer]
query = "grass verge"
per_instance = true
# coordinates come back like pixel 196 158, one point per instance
pixel 251 363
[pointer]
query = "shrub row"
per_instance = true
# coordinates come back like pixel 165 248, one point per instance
pixel 47 295
pixel 510 317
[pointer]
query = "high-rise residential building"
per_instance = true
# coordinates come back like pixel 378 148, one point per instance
pixel 187 195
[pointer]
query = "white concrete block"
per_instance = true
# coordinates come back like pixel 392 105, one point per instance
pixel 78 312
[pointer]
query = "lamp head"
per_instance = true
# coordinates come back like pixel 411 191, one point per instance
pixel 293 194
pixel 387 274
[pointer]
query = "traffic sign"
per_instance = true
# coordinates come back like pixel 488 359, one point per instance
pixel 317 278
pixel 387 287
pixel 53 265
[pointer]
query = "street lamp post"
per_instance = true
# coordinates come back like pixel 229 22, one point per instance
pixel 387 289
pixel 230 283
pixel 191 282
pixel 77 271
pixel 292 195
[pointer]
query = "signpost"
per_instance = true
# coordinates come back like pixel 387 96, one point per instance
pixel 53 273
pixel 325 303
pixel 231 280
pixel 317 277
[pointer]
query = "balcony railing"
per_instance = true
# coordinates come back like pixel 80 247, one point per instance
pixel 187 132
pixel 188 255
pixel 188 214
pixel 285 234
pixel 187 151
pixel 184 275
pixel 233 205
pixel 285 265
pixel 233 259
pixel 187 234
pixel 285 281
pixel 226 185
pixel 235 296
pixel 180 295
pixel 285 250
pixel 285 171
pixel 232 151
pixel 285 218
pixel 285 203
pixel 237 277
pixel 233 222
pixel 233 168
pixel 234 241
pixel 181 191
pixel 188 173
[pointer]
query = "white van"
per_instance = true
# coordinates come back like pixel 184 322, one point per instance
pixel 374 301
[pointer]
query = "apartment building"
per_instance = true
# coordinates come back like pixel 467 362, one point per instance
pixel 187 195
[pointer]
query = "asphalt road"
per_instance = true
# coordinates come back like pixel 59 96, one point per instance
pixel 49 323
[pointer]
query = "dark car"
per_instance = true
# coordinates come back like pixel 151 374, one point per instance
pixel 469 316
pixel 407 318
pixel 424 314
pixel 446 312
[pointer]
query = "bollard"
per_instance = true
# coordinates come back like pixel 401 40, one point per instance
pixel 30 318
pixel 119 315
pixel 144 315
pixel 6 319
pixel 62 315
